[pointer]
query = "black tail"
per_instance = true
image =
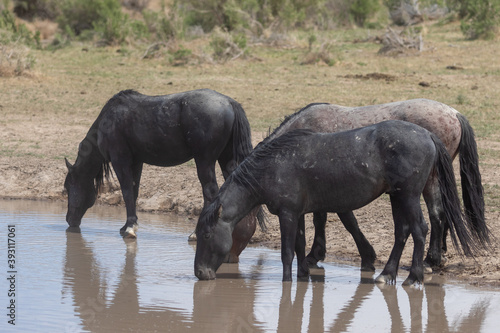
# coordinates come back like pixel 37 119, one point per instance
pixel 472 190
pixel 451 202
pixel 242 146
pixel 242 135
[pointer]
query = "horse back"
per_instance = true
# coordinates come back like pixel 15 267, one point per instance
pixel 339 172
pixel 434 116
pixel 166 130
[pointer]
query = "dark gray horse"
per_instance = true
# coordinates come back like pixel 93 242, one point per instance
pixel 301 172
pixel 133 129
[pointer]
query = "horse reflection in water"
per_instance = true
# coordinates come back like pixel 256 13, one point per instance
pixel 133 129
pixel 103 307
pixel 122 311
pixel 301 172
pixel 445 122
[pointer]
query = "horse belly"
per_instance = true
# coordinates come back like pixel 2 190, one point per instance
pixel 343 196
pixel 162 153
pixel 153 146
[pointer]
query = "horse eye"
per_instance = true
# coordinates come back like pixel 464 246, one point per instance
pixel 206 235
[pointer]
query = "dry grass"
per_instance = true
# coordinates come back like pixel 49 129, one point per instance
pixel 74 83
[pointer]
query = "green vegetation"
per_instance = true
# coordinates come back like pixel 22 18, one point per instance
pixel 479 18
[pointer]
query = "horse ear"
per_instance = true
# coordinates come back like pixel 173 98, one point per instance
pixel 68 165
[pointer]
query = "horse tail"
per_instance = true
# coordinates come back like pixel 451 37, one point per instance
pixel 242 135
pixel 451 201
pixel 242 147
pixel 472 189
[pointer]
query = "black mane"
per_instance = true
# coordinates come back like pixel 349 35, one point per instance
pixel 285 121
pixel 209 215
pixel 256 164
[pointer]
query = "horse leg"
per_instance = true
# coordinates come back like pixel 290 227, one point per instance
pixel 300 250
pixel 318 249
pixel 401 233
pixel 129 176
pixel 206 175
pixel 288 229
pixel 418 232
pixel 365 249
pixel 432 197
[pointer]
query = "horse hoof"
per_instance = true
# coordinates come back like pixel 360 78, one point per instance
pixel 385 279
pixel 412 283
pixel 130 232
pixel 192 237
pixel 311 262
pixel 427 269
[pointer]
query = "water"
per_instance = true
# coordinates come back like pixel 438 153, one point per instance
pixel 94 281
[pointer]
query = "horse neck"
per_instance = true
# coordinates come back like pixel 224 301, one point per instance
pixel 90 159
pixel 236 202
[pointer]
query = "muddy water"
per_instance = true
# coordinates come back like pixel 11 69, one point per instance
pixel 94 281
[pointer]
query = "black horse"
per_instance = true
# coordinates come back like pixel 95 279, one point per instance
pixel 133 129
pixel 301 172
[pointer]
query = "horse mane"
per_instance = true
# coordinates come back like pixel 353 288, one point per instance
pixel 288 118
pixel 209 215
pixel 103 174
pixel 256 165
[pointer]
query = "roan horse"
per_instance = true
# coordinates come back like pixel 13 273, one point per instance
pixel 301 172
pixel 445 122
pixel 168 130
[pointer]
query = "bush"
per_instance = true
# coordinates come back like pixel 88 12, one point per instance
pixel 361 10
pixel 225 46
pixel 15 60
pixel 43 9
pixel 480 18
pixel 78 16
pixel 159 25
pixel 11 32
pixel 113 26
pixel 233 14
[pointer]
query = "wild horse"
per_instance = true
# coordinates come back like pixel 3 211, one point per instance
pixel 445 122
pixel 301 172
pixel 168 130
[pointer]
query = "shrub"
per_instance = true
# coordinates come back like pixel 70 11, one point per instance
pixel 113 26
pixel 362 10
pixel 159 25
pixel 43 9
pixel 225 46
pixel 15 60
pixel 11 32
pixel 480 18
pixel 78 16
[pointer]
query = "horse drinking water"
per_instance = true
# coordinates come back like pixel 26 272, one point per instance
pixel 445 122
pixel 133 129
pixel 301 172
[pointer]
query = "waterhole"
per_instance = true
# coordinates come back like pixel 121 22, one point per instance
pixel 94 281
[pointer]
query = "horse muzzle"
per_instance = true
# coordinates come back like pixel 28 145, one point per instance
pixel 204 273
pixel 72 221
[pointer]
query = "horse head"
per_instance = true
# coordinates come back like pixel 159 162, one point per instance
pixel 81 194
pixel 214 240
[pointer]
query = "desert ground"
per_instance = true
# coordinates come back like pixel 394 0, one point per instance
pixel 47 111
